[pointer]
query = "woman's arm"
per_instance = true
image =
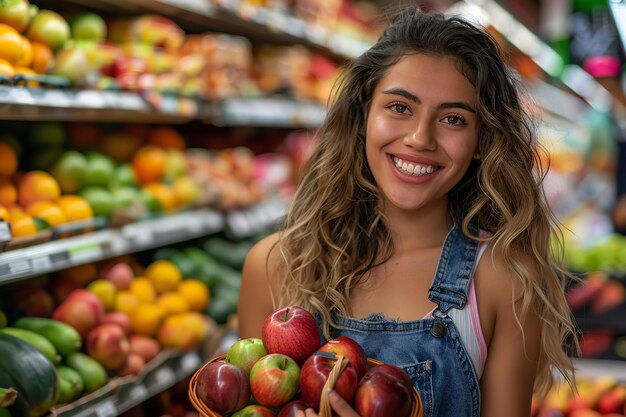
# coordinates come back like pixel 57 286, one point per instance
pixel 509 374
pixel 255 294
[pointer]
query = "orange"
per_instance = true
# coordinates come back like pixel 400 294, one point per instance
pixel 173 303
pixel 164 194
pixel 8 160
pixel 5 215
pixel 146 319
pixel 125 302
pixel 37 186
pixel 47 211
pixel 41 57
pixel 6 68
pixel 23 226
pixel 166 137
pixel 196 293
pixel 8 193
pixel 75 208
pixel 143 289
pixel 164 275
pixel 27 54
pixel 149 164
pixel 11 45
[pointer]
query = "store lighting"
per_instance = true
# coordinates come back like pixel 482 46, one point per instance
pixel 618 9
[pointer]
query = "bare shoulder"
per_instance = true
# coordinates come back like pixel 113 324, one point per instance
pixel 497 287
pixel 259 285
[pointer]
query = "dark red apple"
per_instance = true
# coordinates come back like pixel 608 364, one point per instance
pixel 289 409
pixel 291 331
pixel 314 374
pixel 274 379
pixel 223 387
pixel 351 350
pixel 384 391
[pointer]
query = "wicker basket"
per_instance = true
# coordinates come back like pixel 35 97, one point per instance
pixel 205 411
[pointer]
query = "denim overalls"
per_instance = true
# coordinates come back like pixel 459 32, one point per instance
pixel 430 350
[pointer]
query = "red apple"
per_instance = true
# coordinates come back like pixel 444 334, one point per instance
pixel 254 410
pixel 291 331
pixel 613 401
pixel 315 372
pixel 223 387
pixel 274 379
pixel 385 390
pixel 245 352
pixel 118 318
pixel 351 350
pixel 108 345
pixel 81 310
pixel 289 409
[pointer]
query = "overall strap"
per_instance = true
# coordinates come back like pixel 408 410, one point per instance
pixel 456 262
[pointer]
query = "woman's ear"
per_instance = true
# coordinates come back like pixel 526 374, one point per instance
pixel 477 156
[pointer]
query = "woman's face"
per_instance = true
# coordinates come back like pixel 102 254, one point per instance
pixel 422 131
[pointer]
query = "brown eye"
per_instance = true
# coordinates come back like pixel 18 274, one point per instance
pixel 454 119
pixel 398 108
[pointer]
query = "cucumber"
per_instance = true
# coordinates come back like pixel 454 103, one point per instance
pixel 64 337
pixel 37 341
pixel 71 384
pixel 93 374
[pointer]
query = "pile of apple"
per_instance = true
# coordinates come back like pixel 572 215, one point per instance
pixel 286 370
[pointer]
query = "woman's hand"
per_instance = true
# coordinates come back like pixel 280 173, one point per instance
pixel 339 405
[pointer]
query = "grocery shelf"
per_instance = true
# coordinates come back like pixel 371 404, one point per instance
pixel 272 112
pixel 600 368
pixel 30 261
pixel 122 394
pixel 103 244
pixel 34 104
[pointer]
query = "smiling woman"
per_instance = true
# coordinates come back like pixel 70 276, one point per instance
pixel 420 229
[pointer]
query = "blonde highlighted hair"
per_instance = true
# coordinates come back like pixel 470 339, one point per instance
pixel 334 231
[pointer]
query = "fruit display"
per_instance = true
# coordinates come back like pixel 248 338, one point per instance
pixel 117 175
pixel 594 397
pixel 288 369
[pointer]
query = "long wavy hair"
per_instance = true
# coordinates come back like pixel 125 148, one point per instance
pixel 335 232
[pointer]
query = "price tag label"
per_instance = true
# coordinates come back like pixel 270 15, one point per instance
pixel 87 252
pixel 20 266
pixel 106 409
pixel 164 377
pixel 138 393
pixel 41 264
pixel 190 362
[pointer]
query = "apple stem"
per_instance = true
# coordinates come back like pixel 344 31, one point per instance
pixel 285 316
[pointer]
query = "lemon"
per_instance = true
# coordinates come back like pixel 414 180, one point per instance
pixel 164 275
pixel 196 293
pixel 105 290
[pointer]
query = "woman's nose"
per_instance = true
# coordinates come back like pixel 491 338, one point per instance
pixel 420 136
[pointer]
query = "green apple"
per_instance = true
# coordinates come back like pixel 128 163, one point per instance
pixel 100 200
pixel 124 197
pixel 124 176
pixel 274 379
pixel 50 28
pixel 15 13
pixel 99 170
pixel 69 170
pixel 245 352
pixel 88 26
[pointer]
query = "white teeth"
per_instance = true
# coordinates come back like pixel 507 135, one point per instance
pixel 413 169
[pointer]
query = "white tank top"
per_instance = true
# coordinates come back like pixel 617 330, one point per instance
pixel 467 322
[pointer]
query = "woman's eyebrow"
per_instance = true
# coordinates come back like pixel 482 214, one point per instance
pixel 412 97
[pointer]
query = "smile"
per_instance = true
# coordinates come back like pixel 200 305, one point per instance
pixel 413 169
